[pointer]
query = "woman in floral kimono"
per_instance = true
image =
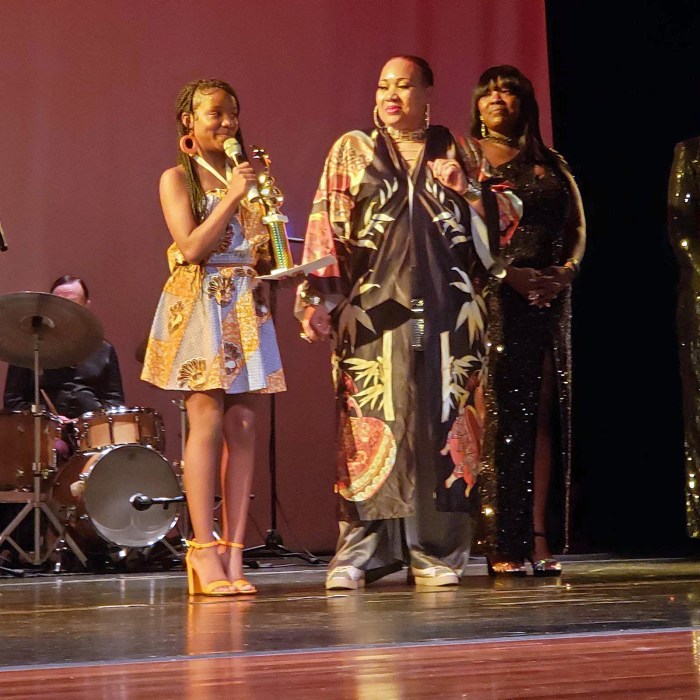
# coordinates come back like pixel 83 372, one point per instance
pixel 404 307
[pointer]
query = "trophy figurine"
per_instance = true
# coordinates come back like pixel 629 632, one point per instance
pixel 272 199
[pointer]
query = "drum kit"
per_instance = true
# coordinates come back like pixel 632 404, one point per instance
pixel 100 498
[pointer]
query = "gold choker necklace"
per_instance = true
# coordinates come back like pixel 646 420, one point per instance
pixel 505 140
pixel 406 134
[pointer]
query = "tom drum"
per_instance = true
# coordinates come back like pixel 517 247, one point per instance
pixel 120 426
pixel 17 449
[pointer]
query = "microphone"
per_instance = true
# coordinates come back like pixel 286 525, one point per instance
pixel 234 151
pixel 3 240
pixel 142 502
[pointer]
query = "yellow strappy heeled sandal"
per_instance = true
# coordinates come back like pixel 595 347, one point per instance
pixel 194 583
pixel 241 586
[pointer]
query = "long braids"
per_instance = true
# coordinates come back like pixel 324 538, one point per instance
pixel 186 105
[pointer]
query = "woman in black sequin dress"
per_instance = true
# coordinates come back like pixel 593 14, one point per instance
pixel 684 232
pixel 527 446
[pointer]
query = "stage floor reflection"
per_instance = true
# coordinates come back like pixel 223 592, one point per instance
pixel 54 623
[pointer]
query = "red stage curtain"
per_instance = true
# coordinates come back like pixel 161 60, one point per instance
pixel 88 94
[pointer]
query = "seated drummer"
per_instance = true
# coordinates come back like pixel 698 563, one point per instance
pixel 90 385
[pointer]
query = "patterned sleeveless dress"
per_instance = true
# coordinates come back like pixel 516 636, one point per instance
pixel 213 328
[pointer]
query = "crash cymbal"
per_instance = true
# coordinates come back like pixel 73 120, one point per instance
pixel 67 332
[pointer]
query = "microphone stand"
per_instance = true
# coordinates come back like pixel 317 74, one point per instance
pixel 274 544
pixel 271 199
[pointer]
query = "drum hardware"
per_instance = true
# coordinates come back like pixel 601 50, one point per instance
pixel 44 473
pixel 48 332
pixel 185 518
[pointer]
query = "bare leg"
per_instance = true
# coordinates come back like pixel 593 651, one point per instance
pixel 239 431
pixel 543 457
pixel 202 460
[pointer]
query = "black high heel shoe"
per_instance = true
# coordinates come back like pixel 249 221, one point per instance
pixel 544 567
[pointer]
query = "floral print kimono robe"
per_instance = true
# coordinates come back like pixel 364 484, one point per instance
pixel 402 242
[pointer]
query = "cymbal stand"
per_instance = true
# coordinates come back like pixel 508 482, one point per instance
pixel 36 505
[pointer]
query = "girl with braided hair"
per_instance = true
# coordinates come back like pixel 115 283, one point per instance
pixel 212 336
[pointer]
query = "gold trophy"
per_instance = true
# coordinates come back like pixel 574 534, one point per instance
pixel 272 199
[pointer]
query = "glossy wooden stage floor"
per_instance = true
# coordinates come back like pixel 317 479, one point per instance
pixel 607 628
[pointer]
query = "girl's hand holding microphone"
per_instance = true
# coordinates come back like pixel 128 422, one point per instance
pixel 243 177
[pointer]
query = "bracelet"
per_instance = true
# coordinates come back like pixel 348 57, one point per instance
pixel 498 271
pixel 573 264
pixel 472 192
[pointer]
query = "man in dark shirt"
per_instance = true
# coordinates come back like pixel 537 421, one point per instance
pixel 90 385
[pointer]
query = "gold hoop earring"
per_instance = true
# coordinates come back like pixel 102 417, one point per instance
pixel 484 130
pixel 375 117
pixel 427 115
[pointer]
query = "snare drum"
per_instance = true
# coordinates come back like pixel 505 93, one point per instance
pixel 17 449
pixel 91 495
pixel 120 426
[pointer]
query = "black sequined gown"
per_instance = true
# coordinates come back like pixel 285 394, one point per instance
pixel 684 232
pixel 520 336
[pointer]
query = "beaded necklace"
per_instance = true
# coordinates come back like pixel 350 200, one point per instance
pixel 406 134
pixel 503 140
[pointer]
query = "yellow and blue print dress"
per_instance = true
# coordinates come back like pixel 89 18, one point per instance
pixel 213 328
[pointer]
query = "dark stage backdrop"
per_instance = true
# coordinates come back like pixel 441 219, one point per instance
pixel 624 91
pixel 88 95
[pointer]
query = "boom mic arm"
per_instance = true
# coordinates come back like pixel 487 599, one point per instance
pixel 142 502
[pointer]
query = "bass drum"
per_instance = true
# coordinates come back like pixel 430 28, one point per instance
pixel 92 492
